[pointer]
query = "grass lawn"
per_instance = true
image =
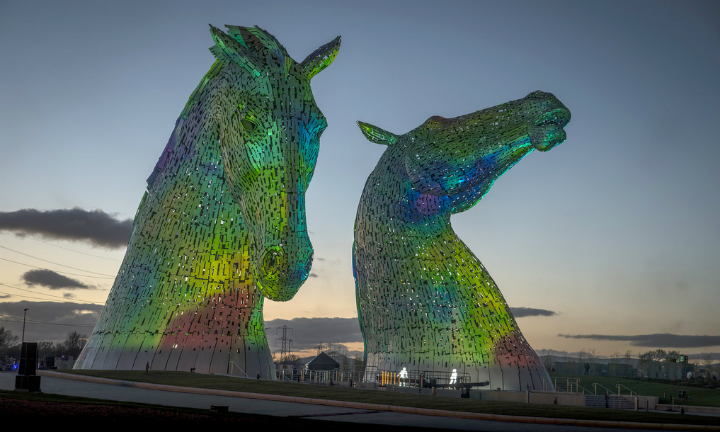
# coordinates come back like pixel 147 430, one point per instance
pixel 698 396
pixel 398 399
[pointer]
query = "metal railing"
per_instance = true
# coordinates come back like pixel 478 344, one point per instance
pixel 572 385
pixel 583 390
pixel 348 376
pixel 631 392
pixel 607 390
pixel 284 374
pixel 234 366
pixel 639 400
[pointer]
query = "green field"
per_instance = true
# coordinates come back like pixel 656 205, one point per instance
pixel 398 399
pixel 697 396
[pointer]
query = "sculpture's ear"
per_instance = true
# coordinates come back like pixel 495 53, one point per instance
pixel 228 49
pixel 377 135
pixel 320 58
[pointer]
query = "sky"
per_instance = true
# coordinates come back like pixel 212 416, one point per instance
pixel 610 241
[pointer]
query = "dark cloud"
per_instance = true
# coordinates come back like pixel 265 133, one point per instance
pixel 521 312
pixel 95 227
pixel 313 275
pixel 309 332
pixel 659 340
pixel 69 296
pixel 49 321
pixel 52 280
pixel 65 316
pixel 2 296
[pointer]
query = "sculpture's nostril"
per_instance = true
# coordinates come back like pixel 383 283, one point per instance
pixel 273 262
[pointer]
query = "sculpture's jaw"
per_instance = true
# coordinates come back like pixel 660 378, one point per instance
pixel 548 131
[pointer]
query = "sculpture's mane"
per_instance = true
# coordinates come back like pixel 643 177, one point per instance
pixel 248 47
pixel 245 46
pixel 256 38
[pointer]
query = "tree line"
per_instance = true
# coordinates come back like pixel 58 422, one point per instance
pixel 73 344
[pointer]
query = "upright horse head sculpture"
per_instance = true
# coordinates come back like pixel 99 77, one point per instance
pixel 222 223
pixel 425 302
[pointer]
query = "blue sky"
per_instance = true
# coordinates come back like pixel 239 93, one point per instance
pixel 616 230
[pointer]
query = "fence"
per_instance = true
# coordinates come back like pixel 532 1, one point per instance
pixel 348 376
pixel 620 370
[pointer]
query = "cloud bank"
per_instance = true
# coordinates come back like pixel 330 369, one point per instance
pixel 56 319
pixel 658 340
pixel 522 312
pixel 52 280
pixel 95 227
pixel 309 332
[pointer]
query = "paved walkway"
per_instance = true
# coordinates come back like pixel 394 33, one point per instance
pixel 73 387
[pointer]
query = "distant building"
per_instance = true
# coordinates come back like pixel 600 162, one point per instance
pixel 323 362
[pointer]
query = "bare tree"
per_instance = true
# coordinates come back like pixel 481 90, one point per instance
pixel 291 359
pixel 660 354
pixel 645 360
pixel 613 366
pixel 46 348
pixel 547 361
pixel 8 343
pixel 74 343
pixel 7 338
pixel 672 356
pixel 592 355
pixel 707 362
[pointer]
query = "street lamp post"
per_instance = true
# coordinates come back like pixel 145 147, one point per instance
pixel 23 335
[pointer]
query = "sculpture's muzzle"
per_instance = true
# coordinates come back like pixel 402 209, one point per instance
pixel 552 116
pixel 283 268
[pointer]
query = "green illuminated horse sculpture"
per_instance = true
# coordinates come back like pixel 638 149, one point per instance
pixel 426 304
pixel 222 223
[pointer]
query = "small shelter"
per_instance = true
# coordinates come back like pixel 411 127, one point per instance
pixel 323 362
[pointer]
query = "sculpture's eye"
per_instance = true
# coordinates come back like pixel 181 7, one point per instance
pixel 248 125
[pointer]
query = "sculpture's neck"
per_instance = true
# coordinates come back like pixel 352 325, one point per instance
pixel 392 210
pixel 388 212
pixel 188 190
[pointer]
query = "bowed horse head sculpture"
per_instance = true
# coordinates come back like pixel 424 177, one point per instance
pixel 425 302
pixel 222 223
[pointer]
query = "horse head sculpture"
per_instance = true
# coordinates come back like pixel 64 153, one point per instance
pixel 222 223
pixel 425 302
